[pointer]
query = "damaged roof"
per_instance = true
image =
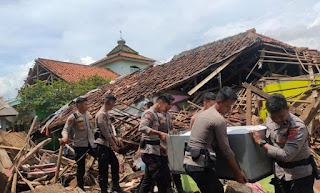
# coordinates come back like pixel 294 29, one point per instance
pixel 181 68
pixel 6 109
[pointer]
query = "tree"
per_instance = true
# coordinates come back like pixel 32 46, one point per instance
pixel 45 97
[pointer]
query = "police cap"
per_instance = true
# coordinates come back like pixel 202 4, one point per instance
pixel 110 96
pixel 81 99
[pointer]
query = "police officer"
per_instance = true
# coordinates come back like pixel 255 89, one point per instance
pixel 165 126
pixel 209 134
pixel 208 101
pixel 155 170
pixel 104 136
pixel 81 123
pixel 287 138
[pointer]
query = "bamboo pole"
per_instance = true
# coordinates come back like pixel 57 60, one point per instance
pixel 58 164
pixel 14 183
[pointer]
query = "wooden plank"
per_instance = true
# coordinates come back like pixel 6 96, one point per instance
pixel 25 180
pixel 14 183
pixel 313 112
pixel 131 142
pixel 58 164
pixel 286 62
pixel 50 165
pixel 25 158
pixel 252 69
pixel 70 148
pixel 281 54
pixel 248 112
pixel 5 159
pixel 32 183
pixel 307 111
pixel 132 176
pixel 195 105
pixel 213 74
pixel 256 90
pixel 311 73
pixel 26 142
pixel 43 158
pixel 220 82
pixel 2 169
pixel 285 58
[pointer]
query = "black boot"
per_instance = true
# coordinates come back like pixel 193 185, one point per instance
pixel 117 189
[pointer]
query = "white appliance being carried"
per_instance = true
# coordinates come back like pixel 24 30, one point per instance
pixel 251 158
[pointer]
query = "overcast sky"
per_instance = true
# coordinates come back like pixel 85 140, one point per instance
pixel 85 31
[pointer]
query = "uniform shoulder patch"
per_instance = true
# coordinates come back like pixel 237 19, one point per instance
pixel 293 133
pixel 70 120
pixel 148 115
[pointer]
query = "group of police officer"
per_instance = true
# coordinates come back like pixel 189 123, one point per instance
pixel 96 137
pixel 286 142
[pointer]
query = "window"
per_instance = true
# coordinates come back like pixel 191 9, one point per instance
pixel 134 68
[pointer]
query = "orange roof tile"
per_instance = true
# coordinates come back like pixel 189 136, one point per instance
pixel 72 72
pixel 124 55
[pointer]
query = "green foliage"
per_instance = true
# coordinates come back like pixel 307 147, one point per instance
pixel 45 97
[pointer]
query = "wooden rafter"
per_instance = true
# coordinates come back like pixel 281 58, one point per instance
pixel 213 74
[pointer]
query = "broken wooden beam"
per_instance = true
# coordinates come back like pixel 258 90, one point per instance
pixel 14 183
pixel 282 54
pixel 56 175
pixel 213 74
pixel 5 159
pixel 285 58
pixel 25 180
pixel 25 158
pixel 286 62
pixel 256 90
pixel 313 112
pixel 248 112
pixel 194 104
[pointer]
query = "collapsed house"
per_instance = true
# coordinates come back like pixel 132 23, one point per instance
pixel 252 64
pixel 247 57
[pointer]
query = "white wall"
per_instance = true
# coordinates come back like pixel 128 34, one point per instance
pixel 123 66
